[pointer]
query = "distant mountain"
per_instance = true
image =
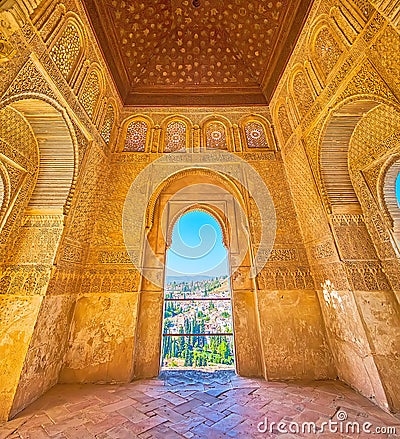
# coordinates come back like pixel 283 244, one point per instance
pixel 183 279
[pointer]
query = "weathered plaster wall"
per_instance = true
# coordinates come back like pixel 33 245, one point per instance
pixel 292 329
pixel 343 324
pixel 47 350
pixel 293 336
pixel 45 354
pixel 102 339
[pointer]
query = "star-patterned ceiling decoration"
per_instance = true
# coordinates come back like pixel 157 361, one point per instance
pixel 171 52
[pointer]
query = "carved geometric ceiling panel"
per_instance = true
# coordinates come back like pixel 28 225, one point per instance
pixel 220 52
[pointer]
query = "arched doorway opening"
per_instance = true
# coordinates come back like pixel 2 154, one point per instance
pixel 197 318
pixel 398 189
pixel 390 197
pixel 187 190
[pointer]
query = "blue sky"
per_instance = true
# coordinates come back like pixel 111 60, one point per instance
pixel 398 189
pixel 197 247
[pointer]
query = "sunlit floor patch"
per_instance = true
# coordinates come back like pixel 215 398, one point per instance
pixel 193 404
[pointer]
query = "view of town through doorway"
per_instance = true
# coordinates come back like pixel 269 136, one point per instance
pixel 197 330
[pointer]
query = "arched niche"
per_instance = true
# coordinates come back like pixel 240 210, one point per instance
pixel 91 91
pixel 136 134
pixel 334 168
pixel 327 44
pixel 340 155
pixel 68 47
pixel 216 133
pixel 37 220
pixel 257 133
pixel 301 90
pixel 283 120
pixel 108 120
pixel 57 151
pixel 176 134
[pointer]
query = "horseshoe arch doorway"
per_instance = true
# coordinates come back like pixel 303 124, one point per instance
pixel 215 194
pixel 197 331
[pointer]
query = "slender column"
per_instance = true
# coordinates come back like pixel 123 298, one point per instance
pixel 196 138
pixel 156 143
pixel 237 144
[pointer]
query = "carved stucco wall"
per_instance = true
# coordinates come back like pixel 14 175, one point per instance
pixel 69 314
pixel 284 286
pixel 350 244
pixel 43 249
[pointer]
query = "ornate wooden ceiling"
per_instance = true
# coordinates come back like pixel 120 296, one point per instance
pixel 170 52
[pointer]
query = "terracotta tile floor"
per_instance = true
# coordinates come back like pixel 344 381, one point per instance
pixel 194 404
